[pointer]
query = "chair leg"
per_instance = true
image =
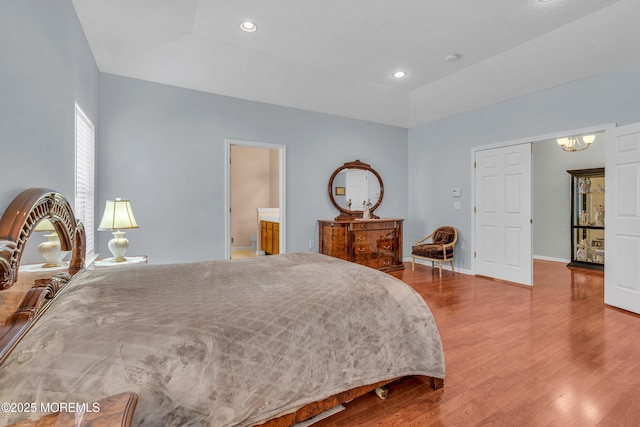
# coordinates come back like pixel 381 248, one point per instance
pixel 413 263
pixel 440 268
pixel 452 270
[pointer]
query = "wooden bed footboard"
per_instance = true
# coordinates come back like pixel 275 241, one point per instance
pixel 316 408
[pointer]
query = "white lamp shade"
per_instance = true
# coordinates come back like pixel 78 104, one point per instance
pixel 117 215
pixel 44 225
pixel 588 139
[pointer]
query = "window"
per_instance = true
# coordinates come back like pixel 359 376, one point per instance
pixel 85 175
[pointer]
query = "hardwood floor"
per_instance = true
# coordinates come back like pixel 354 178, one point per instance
pixel 553 355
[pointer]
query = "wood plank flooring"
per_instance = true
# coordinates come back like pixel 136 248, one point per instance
pixel 553 355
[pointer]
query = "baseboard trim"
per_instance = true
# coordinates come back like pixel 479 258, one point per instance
pixel 548 258
pixel 445 266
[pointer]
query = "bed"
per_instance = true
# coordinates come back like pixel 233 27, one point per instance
pixel 271 340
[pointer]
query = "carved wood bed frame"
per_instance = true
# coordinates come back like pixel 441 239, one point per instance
pixel 16 225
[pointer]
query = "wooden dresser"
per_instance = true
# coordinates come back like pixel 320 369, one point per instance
pixel 375 243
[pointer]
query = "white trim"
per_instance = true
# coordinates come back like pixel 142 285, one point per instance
pixel 548 258
pixel 282 189
pixel 532 140
pixel 446 266
pixel 544 137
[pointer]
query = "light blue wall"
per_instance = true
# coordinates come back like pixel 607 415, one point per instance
pixel 163 148
pixel 45 65
pixel 440 152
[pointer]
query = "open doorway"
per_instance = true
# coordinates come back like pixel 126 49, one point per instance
pixel 552 231
pixel 548 210
pixel 254 187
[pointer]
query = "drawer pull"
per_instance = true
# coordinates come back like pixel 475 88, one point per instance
pixel 361 249
pixel 387 262
pixel 386 247
pixel 362 238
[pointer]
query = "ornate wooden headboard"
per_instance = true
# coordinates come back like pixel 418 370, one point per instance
pixel 20 219
pixel 16 225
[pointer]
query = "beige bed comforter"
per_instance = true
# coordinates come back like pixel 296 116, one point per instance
pixel 223 343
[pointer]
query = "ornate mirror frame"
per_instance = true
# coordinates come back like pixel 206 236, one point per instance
pixel 347 214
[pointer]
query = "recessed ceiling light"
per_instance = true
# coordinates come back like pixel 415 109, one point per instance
pixel 399 74
pixel 452 57
pixel 248 26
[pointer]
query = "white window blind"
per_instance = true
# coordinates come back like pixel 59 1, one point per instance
pixel 85 176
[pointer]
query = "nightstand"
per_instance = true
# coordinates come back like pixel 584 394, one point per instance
pixel 106 262
pixel 38 268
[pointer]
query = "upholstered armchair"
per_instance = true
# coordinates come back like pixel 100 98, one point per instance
pixel 440 249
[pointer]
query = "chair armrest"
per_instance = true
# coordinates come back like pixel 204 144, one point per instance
pixel 451 244
pixel 424 239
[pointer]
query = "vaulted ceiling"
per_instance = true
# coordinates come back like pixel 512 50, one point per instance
pixel 338 56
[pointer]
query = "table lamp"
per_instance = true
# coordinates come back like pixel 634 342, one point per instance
pixel 50 250
pixel 117 216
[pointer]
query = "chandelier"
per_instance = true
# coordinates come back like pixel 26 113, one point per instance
pixel 576 143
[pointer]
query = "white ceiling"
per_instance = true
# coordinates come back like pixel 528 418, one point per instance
pixel 337 56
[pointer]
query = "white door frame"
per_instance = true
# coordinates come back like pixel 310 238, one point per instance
pixel 227 189
pixel 544 137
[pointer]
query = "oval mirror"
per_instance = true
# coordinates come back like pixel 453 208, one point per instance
pixel 352 187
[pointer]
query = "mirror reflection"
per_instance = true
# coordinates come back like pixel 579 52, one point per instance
pixel 356 190
pixel 353 188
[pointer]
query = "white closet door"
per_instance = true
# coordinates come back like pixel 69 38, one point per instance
pixel 622 218
pixel 503 214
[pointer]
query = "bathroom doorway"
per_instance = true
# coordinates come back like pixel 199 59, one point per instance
pixel 255 187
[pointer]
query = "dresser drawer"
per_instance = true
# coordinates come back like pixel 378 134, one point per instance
pixel 363 248
pixel 370 259
pixel 363 237
pixel 386 261
pixel 373 225
pixel 386 245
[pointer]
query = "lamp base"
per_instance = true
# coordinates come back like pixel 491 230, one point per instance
pixel 50 251
pixel 118 246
